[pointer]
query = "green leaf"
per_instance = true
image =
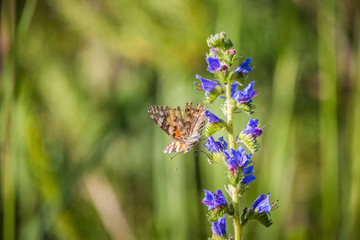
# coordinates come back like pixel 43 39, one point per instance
pixel 248 107
pixel 211 128
pixel 261 217
pixel 249 141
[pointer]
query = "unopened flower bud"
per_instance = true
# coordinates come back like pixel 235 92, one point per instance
pixel 219 40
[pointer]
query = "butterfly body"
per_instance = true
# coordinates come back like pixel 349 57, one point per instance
pixel 185 130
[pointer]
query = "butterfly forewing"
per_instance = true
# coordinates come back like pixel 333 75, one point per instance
pixel 185 131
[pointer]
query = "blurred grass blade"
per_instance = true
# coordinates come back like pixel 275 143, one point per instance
pixel 106 203
pixel 328 118
pixel 353 207
pixel 279 139
pixel 7 138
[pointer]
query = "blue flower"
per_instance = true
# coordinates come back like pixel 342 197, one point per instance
pixel 214 146
pixel 206 85
pixel 248 175
pixel 223 144
pixel 251 128
pixel 238 159
pixel 244 68
pixel 248 179
pixel 261 204
pixel 213 64
pixel 213 200
pixel 212 117
pixel 219 227
pixel 248 170
pixel 233 89
pixel 246 94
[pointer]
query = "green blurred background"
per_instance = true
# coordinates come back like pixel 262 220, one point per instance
pixel 81 159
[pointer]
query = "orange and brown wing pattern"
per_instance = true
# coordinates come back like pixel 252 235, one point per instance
pixel 185 131
pixel 198 120
pixel 166 119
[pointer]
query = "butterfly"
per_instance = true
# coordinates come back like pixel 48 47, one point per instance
pixel 186 131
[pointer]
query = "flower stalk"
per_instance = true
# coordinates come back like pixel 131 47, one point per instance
pixel 235 193
pixel 240 172
pixel 232 154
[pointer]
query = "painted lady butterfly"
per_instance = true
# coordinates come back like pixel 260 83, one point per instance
pixel 185 131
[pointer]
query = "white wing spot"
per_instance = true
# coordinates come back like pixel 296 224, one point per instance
pixel 160 121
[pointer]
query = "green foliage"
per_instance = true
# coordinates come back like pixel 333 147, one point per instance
pixel 248 107
pixel 251 142
pixel 249 214
pixel 212 128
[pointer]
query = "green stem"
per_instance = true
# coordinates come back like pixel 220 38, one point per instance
pixel 229 112
pixel 235 194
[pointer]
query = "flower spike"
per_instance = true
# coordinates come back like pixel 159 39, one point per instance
pixel 228 83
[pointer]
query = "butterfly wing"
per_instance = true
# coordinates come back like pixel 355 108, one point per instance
pixel 185 131
pixel 198 120
pixel 175 146
pixel 166 119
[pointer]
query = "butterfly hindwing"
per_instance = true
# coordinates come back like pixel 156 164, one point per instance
pixel 174 146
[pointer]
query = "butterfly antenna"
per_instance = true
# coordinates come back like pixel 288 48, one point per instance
pixel 201 151
pixel 174 156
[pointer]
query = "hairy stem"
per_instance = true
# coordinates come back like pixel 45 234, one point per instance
pixel 235 195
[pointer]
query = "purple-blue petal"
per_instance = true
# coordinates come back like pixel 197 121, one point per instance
pixel 219 227
pixel 231 162
pixel 217 146
pixel 233 88
pixel 212 145
pixel 248 170
pixel 207 84
pixel 238 158
pixel 213 200
pixel 244 67
pixel 248 179
pixel 223 144
pixel 246 94
pixel 258 200
pixel 261 204
pixel 213 64
pixel 212 117
pixel 250 128
pixel 249 89
pixel 209 199
pixel 257 132
pixel 220 199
